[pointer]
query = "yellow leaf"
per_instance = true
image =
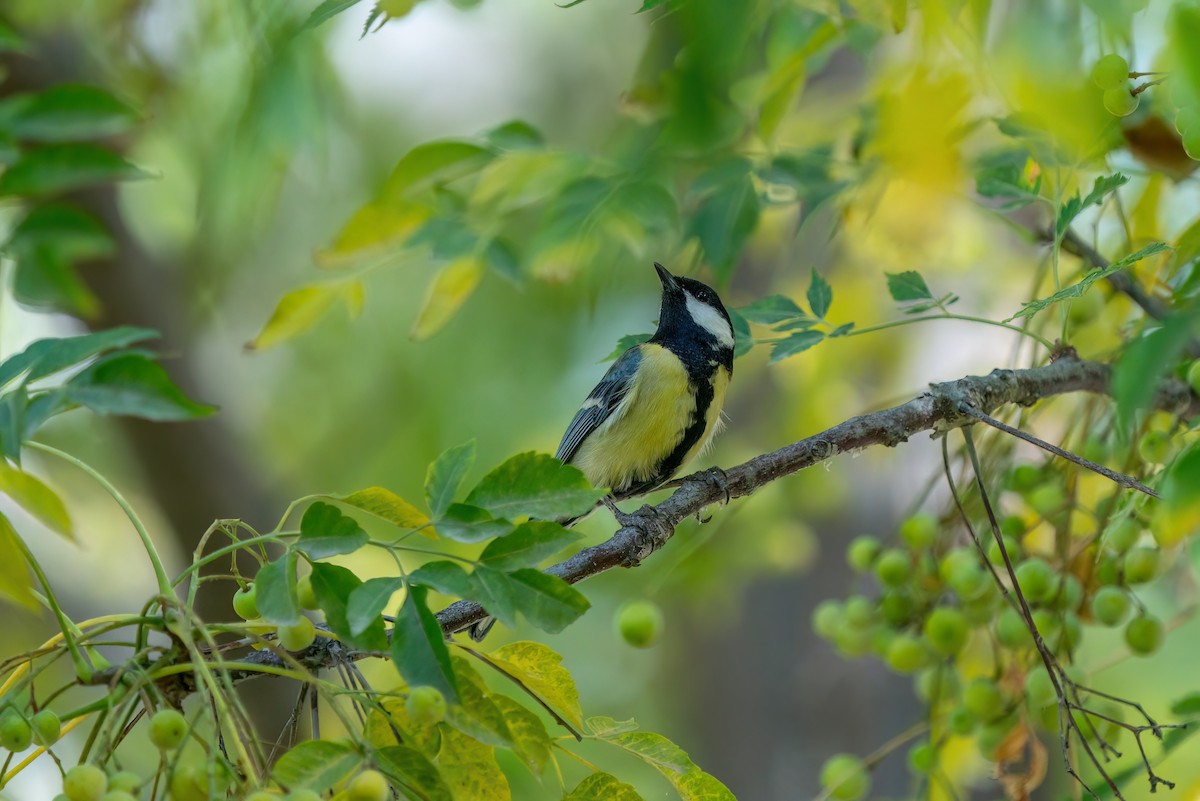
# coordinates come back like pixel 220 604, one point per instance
pixel 519 178
pixel 470 769
pixel 387 505
pixel 451 287
pixel 540 669
pixel 36 498
pixel 298 311
pixel 375 226
pixel 14 575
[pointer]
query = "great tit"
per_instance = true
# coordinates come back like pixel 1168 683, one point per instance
pixel 660 403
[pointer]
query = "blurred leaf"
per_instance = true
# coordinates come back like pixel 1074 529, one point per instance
pixel 494 591
pixel 419 647
pixel 433 163
pixel 1187 706
pixel 297 312
pixel 539 669
pixel 48 356
pixel 1102 188
pixel 445 476
pixel 780 93
pixel 366 603
pixel 13 408
pixel 62 168
pixel 411 770
pixel 547 601
pixel 372 228
pixel 518 178
pixel 316 764
pixel 333 586
pixel 134 385
pixel 772 309
pixel 68 230
pixel 671 761
pixel 1085 283
pixel 327 10
pixel 465 523
pixel 65 112
pixel 570 232
pixel 527 545
pixel 603 787
pixel 1177 513
pixel 1145 361
pixel 907 286
pixel 625 343
pixel 743 341
pixel 36 498
pixel 795 343
pixel 275 585
pixel 325 532
pixel 444 576
pixel 515 135
pixel 11 41
pixel 470 769
pixel 530 740
pixel 651 204
pixel 841 330
pixel 1005 176
pixel 390 507
pixel 46 280
pixel 727 213
pixel 820 295
pixel 15 581
pixel 448 291
pixel 534 484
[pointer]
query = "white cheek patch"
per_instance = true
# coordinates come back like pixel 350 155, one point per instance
pixel 710 320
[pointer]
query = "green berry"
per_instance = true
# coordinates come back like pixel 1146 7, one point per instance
pixel 262 795
pixel 919 532
pixel 1191 146
pixel 921 758
pixel 853 642
pixel 946 630
pixel 47 728
pixel 1187 119
pixel 1110 605
pixel 894 567
pixel 297 636
pixel 1144 634
pixel 117 795
pixel 1071 635
pixel 1120 102
pixel 425 705
pixel 127 781
pixel 1141 565
pixel 1013 527
pixel 845 777
pixel 1047 499
pixel 898 607
pixel 1069 595
pixel 245 602
pixel 1012 546
pixel 1025 477
pixel 306 595
pixel 303 794
pixel 168 727
pixel 85 783
pixel 907 654
pixel 1123 534
pixel 368 786
pixel 1154 447
pixel 1011 630
pixel 1039 690
pixel 640 623
pixel 1048 623
pixel 859 611
pixel 1037 579
pixel 15 733
pixel 1095 449
pixel 827 618
pixel 1110 71
pixel 1107 571
pixel 970 581
pixel 983 699
pixel 861 553
pixel 1193 372
pixel 936 684
pixel 961 721
pixel 982 610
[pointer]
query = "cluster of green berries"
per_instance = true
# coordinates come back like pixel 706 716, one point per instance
pixel 293 637
pixel 18 732
pixel 1111 73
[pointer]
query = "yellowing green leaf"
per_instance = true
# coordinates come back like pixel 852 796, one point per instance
pixel 298 311
pixel 372 228
pixel 1177 514
pixel 36 498
pixel 672 762
pixel 519 178
pixel 387 505
pixel 410 768
pixel 470 769
pixel 15 583
pixel 540 670
pixel 603 787
pixel 779 94
pixel 353 296
pixel 316 764
pixel 530 740
pixel 449 290
pixel 433 163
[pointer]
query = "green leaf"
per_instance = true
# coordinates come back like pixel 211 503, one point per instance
pixel 45 279
pixel 326 11
pixel 908 286
pixel 671 761
pixel 446 474
pixel 527 545
pixel 324 532
pixel 743 340
pixel 1177 513
pixel 772 309
pixel 470 769
pixel 530 740
pixel 297 312
pixel 1102 188
pixel 795 343
pixel 1187 706
pixel 495 592
pixel 66 230
pixel 1145 361
pixel 603 787
pixel 388 506
pixel 444 576
pixel 333 586
pixel 134 385
pixel 419 647
pixel 1085 283
pixel 48 356
pixel 476 714
pixel 625 343
pixel 539 669
pixel 604 726
pixel 13 409
pixel 515 135
pixel 35 497
pixel 11 41
pixel 15 581
pixel 465 523
pixel 66 112
pixel 1005 177
pixel 780 92
pixel 366 603
pixel 820 295
pixel 547 601
pixel 275 587
pixel 62 168
pixel 410 769
pixel 434 163
pixel 727 214
pixel 534 484
pixel 316 764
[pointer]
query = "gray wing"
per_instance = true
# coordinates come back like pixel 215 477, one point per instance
pixel 600 403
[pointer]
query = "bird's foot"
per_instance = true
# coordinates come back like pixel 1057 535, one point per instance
pixel 651 528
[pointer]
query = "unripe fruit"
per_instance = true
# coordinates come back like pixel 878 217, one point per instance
pixel 894 567
pixel 1072 633
pixel 1069 595
pixel 1012 546
pixel 1155 447
pixel 126 780
pixel 907 654
pixel 1011 630
pixel 982 610
pixel 1048 623
pixel 85 783
pixel 1110 71
pixel 861 553
pixel 859 611
pixel 1037 580
pixel 1025 477
pixel 969 581
pixel 168 727
pixel 937 683
pixel 1110 605
pixel 827 618
pixel 425 705
pixel 306 595
pixel 919 532
pixel 1039 690
pixel 368 786
pixel 1141 565
pixel 1144 634
pixel 640 623
pixel 47 728
pixel 262 795
pixel 921 758
pixel 853 642
pixel 946 630
pixel 898 607
pixel 303 794
pixel 845 777
pixel 297 636
pixel 245 602
pixel 1123 534
pixel 1120 102
pixel 1191 146
pixel 117 795
pixel 1047 499
pixel 983 699
pixel 1107 571
pixel 962 722
pixel 15 734
pixel 1193 373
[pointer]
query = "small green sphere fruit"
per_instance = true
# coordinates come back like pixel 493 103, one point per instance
pixel 117 795
pixel 168 727
pixel 898 607
pixel 1048 623
pixel 85 783
pixel 1107 570
pixel 263 795
pixel 969 581
pixel 1120 102
pixel 245 602
pixel 1187 119
pixel 907 654
pixel 1096 449
pixel 859 611
pixel 15 733
pixel 919 532
pixel 47 728
pixel 1123 534
pixel 303 794
pixel 1039 690
pixel 640 623
pixel 946 630
pixel 1144 634
pixel 962 722
pixel 1110 605
pixel 1012 546
pixel 1069 595
pixel 982 610
pixel 853 642
pixel 297 636
pixel 937 683
pixel 861 553
pixel 845 777
pixel 1191 146
pixel 827 618
pixel 983 698
pixel 894 567
pixel 1110 71
pixel 125 780
pixel 425 705
pixel 1141 565
pixel 1071 635
pixel 1037 579
pixel 1025 477
pixel 1011 630
pixel 1155 447
pixel 1047 499
pixel 368 786
pixel 306 595
pixel 921 758
pixel 1013 526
